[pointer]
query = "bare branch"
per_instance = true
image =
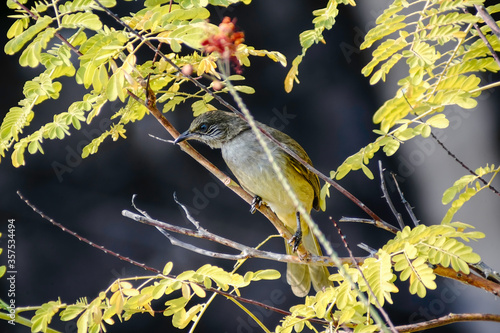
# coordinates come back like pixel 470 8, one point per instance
pixel 470 279
pixel 85 240
pixel 379 224
pixel 448 319
pixel 246 251
pixel 388 198
pixel 226 180
pixel 409 209
pixel 486 271
pixel 462 164
pixel 490 21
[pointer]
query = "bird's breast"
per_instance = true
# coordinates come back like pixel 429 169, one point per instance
pixel 246 158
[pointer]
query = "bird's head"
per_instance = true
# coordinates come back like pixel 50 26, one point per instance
pixel 214 128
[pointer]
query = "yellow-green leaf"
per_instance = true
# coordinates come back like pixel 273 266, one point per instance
pixel 82 20
pixel 438 121
pixel 168 268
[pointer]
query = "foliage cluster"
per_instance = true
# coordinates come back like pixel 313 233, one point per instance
pixel 443 53
pixel 410 253
pixel 122 300
pixel 108 67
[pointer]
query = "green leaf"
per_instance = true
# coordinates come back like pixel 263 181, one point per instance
pixel 426 131
pixel 168 268
pixel 391 25
pixel 308 38
pixel 175 305
pixel 191 35
pixel 72 311
pixel 267 274
pixel 390 145
pixel 449 195
pixel 245 89
pixel 16 44
pixel 18 154
pixel 17 27
pixel 201 106
pixel 292 75
pixel 185 15
pixel 43 316
pixel 14 121
pixel 115 87
pixel 82 20
pixel 367 171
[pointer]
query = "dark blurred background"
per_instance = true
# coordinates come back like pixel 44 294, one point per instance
pixel 329 113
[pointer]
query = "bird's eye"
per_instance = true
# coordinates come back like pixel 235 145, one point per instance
pixel 203 127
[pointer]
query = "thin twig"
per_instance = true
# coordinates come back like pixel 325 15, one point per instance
pixel 407 205
pixel 85 240
pixel 372 294
pixel 448 319
pixel 387 198
pixel 188 214
pixel 486 271
pixel 372 252
pixel 490 21
pixel 456 158
pixel 379 224
pixel 161 139
pixel 462 164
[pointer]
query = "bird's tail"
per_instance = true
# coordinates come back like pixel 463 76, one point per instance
pixel 300 276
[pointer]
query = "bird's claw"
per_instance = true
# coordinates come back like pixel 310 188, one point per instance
pixel 295 240
pixel 256 202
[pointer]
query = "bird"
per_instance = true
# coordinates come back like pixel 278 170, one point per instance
pixel 247 160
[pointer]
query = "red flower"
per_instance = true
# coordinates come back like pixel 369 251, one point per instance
pixel 225 42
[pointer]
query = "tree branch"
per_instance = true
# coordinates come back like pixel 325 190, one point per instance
pixel 409 209
pixel 470 279
pixel 379 224
pixel 478 281
pixel 246 251
pixel 463 165
pixel 446 320
pixel 85 240
pixel 388 198
pixel 490 21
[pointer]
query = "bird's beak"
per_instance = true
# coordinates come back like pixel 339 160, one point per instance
pixel 183 136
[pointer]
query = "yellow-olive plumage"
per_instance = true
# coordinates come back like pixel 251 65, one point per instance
pixel 247 160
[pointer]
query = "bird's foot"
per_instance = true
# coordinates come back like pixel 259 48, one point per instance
pixel 295 240
pixel 256 202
